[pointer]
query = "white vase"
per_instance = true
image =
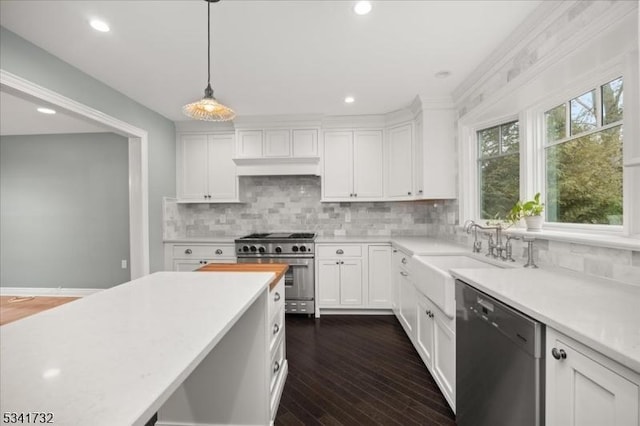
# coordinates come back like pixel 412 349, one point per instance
pixel 534 223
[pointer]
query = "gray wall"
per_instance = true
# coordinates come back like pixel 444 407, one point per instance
pixel 64 210
pixel 26 60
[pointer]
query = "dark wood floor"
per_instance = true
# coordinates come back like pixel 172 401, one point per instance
pixel 357 370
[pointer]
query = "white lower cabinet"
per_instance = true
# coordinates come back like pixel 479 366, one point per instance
pixel 379 276
pixel 585 388
pixel 340 282
pixel 183 257
pixel 353 276
pixel 430 330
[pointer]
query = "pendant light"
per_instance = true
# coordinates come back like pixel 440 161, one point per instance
pixel 208 108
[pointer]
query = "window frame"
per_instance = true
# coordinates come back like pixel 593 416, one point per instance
pixel 532 156
pixel 479 159
pixel 580 87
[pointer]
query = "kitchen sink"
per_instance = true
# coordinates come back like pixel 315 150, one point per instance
pixel 432 277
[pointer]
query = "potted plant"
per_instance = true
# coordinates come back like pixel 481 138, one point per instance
pixel 530 211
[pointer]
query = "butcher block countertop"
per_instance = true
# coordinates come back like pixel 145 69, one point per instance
pixel 277 268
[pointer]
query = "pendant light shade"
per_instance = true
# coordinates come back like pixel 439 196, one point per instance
pixel 208 108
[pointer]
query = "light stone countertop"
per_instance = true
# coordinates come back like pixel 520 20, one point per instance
pixel 113 358
pixel 203 240
pixel 602 314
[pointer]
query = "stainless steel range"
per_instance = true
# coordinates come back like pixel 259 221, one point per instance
pixel 296 249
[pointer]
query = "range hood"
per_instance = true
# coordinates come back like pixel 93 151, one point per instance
pixel 275 166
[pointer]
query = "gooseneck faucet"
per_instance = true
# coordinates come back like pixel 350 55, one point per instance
pixel 495 249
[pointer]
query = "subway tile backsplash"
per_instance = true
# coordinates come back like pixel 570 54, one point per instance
pixel 292 203
pixel 279 203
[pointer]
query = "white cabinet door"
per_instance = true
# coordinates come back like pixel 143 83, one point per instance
pixel 351 282
pixel 368 164
pixel 400 162
pixel 418 158
pixel 249 143
pixel 337 173
pixel 424 331
pixel 223 179
pixel 408 305
pixel 439 155
pixel 329 282
pixel 304 142
pixel 193 168
pixel 444 359
pixel 583 392
pixel 379 293
pixel 277 143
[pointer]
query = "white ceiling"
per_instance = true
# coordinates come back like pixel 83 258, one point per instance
pixel 19 116
pixel 272 57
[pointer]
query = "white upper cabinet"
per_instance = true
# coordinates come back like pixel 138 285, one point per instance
pixel 368 164
pixel 352 165
pixel 249 143
pixel 400 149
pixel 304 143
pixel 259 144
pixel 435 148
pixel 205 168
pixel 277 143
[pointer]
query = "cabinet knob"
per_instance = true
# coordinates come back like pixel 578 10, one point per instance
pixel 420 192
pixel 276 328
pixel 339 251
pixel 188 251
pixel 276 367
pixel 219 251
pixel 558 354
pixel 205 196
pixel 276 297
pixel 409 193
pixel 342 262
pixel 355 195
pixel 350 195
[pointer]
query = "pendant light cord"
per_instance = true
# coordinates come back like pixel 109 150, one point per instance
pixel 208 42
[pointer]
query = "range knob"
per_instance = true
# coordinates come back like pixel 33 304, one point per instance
pixel 278 249
pixel 253 249
pixel 294 249
pixel 261 249
pixel 303 249
pixel 245 248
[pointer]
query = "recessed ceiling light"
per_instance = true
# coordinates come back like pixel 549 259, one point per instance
pixel 99 25
pixel 46 110
pixel 349 100
pixel 362 7
pixel 442 74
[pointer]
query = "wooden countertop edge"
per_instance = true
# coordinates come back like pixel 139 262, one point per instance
pixel 277 268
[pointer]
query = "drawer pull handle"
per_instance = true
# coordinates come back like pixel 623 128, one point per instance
pixel 558 354
pixel 339 251
pixel 404 260
pixel 188 251
pixel 404 274
pixel 276 329
pixel 219 251
pixel 276 297
pixel 276 367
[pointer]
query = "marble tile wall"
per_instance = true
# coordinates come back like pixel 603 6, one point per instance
pixel 292 203
pixel 618 264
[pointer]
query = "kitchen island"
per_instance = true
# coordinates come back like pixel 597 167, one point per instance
pixel 193 345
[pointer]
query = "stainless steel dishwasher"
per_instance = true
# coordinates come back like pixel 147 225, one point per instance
pixel 499 363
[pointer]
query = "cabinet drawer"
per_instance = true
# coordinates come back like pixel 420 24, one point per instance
pixel 276 299
pixel 277 365
pixel 339 250
pixel 213 251
pixel 276 330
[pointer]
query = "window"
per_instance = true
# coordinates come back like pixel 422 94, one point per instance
pixel 499 169
pixel 583 157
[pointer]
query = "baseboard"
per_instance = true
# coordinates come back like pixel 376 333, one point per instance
pixel 50 292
